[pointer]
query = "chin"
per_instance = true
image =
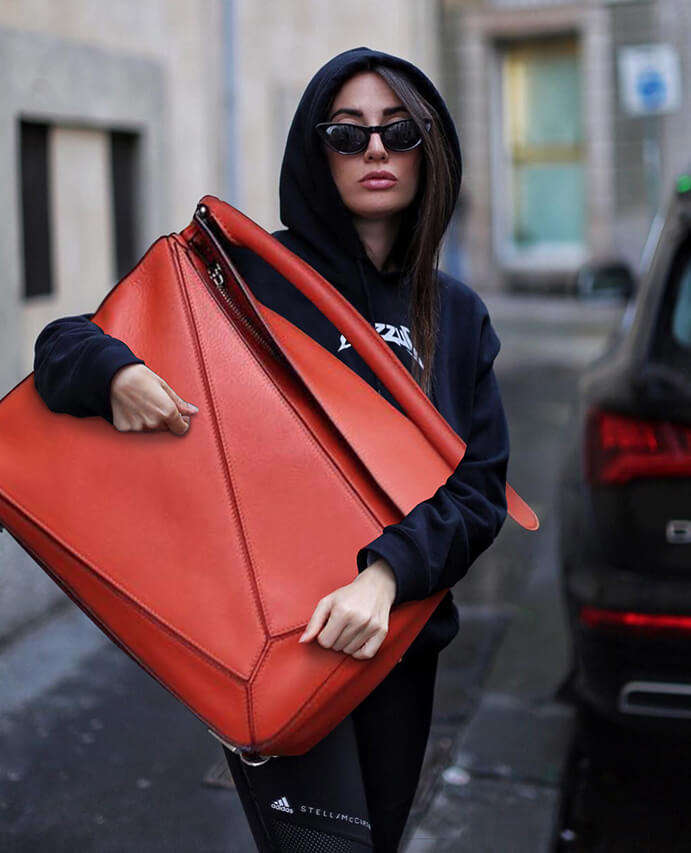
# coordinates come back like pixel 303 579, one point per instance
pixel 377 210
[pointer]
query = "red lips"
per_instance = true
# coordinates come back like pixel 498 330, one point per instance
pixel 378 174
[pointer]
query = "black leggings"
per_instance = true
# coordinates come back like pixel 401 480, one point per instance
pixel 352 791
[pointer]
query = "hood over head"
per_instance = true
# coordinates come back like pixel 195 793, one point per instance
pixel 310 204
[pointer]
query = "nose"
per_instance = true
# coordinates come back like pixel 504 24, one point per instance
pixel 376 147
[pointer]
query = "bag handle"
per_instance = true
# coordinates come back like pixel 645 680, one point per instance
pixel 240 230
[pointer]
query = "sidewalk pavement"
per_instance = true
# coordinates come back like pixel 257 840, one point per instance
pixel 548 309
pixel 502 789
pixel 97 757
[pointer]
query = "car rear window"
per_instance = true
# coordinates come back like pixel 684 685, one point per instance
pixel 681 313
pixel 672 345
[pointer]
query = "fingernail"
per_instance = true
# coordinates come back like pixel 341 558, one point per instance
pixel 191 405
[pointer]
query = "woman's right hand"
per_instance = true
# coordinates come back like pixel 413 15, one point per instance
pixel 142 401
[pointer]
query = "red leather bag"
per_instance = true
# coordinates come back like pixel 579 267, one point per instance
pixel 203 557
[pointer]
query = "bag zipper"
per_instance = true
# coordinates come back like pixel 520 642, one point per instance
pixel 216 274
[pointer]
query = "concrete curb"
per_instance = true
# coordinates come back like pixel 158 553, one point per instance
pixel 503 789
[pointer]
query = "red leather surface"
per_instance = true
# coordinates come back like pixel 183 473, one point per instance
pixel 242 231
pixel 203 557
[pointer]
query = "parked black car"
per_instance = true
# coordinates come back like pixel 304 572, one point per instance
pixel 624 499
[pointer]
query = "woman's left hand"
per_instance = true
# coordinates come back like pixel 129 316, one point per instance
pixel 356 615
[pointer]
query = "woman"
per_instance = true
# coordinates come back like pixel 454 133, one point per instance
pixel 376 237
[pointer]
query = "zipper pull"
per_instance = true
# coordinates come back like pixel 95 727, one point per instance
pixel 216 274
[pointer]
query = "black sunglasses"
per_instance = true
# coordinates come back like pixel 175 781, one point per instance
pixel 346 138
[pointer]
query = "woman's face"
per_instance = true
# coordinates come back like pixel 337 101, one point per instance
pixel 367 97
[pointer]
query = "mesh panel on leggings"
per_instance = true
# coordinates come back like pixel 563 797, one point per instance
pixel 303 839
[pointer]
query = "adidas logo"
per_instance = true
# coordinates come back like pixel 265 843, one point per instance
pixel 282 805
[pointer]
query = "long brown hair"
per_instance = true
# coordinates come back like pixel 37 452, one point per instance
pixel 423 224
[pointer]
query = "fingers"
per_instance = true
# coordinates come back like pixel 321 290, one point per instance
pixel 176 423
pixel 353 635
pixel 321 611
pixel 373 630
pixel 342 621
pixel 371 647
pixel 338 629
pixel 142 401
pixel 178 419
pixel 183 406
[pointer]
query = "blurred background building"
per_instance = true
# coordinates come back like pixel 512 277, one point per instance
pixel 574 119
pixel 116 117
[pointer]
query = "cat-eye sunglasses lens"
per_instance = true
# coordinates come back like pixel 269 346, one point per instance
pixel 346 138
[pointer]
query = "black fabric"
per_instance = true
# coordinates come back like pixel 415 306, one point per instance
pixel 365 771
pixel 320 792
pixel 311 206
pixel 435 544
pixel 392 728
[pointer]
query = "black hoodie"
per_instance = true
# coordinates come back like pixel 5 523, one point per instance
pixel 435 544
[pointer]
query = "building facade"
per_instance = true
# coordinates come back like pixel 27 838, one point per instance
pixel 559 168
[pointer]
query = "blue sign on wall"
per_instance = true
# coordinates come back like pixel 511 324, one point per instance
pixel 649 79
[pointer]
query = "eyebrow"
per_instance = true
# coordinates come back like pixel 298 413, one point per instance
pixel 351 112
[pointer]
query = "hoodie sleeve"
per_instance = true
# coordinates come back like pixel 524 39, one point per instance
pixel 74 363
pixel 436 543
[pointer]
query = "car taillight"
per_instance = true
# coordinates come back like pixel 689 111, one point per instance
pixel 619 448
pixel 596 617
